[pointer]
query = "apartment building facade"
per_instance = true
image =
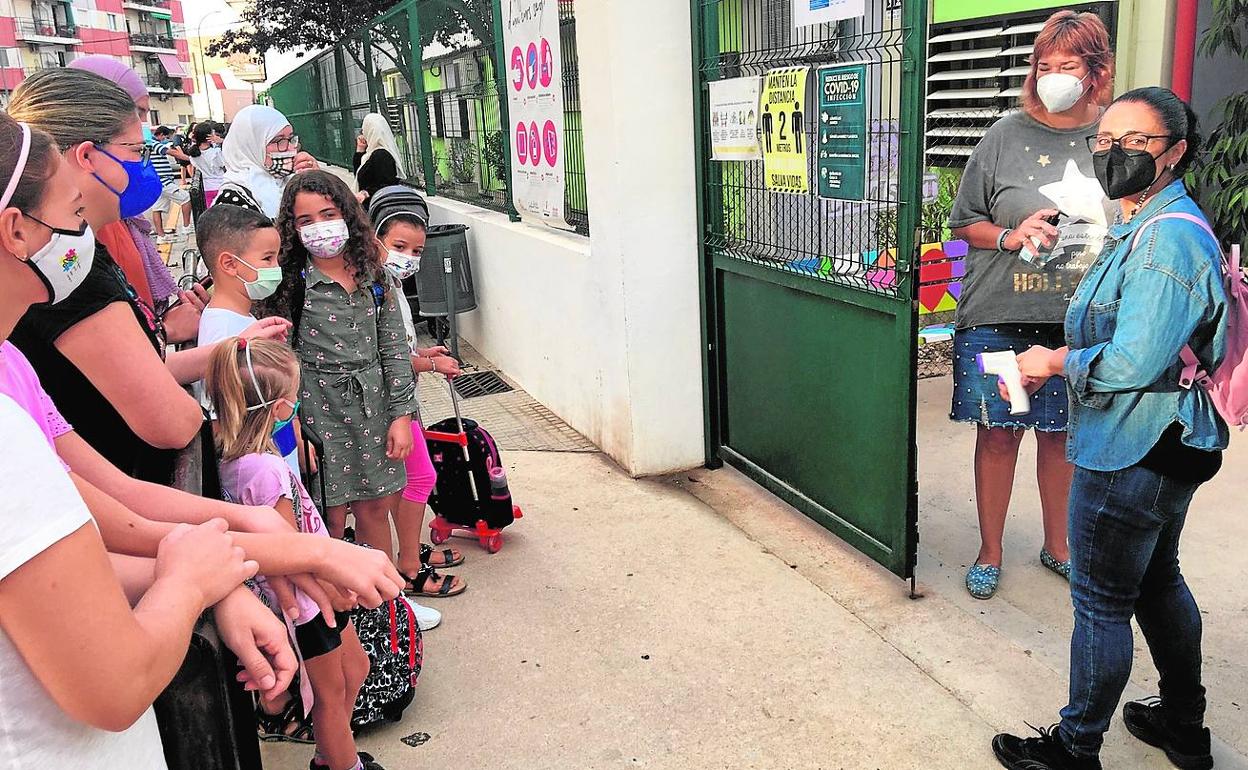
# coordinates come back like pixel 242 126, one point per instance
pixel 148 35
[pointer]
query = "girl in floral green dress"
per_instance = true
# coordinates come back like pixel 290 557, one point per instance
pixel 358 391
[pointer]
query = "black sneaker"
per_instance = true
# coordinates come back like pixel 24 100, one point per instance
pixel 1187 747
pixel 1044 752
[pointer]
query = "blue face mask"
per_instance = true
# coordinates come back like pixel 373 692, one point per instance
pixel 143 185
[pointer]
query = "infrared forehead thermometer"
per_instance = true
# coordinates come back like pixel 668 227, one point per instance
pixel 1004 364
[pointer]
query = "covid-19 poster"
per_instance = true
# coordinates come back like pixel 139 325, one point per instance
pixel 843 132
pixel 535 99
pixel 785 137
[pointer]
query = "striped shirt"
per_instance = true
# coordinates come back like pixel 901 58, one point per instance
pixel 160 159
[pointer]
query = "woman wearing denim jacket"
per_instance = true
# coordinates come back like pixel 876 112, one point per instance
pixel 1141 444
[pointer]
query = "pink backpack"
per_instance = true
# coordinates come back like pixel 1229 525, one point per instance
pixel 1228 386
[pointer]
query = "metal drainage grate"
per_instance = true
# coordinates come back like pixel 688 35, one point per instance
pixel 480 384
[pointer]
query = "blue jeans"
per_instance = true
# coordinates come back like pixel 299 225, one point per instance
pixel 1124 546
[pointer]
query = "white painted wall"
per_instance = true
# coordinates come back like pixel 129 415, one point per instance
pixel 637 102
pixel 539 312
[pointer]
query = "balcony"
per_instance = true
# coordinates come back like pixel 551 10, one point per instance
pixel 46 32
pixel 162 83
pixel 148 6
pixel 40 67
pixel 152 42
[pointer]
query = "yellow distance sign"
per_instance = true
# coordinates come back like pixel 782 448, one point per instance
pixel 783 109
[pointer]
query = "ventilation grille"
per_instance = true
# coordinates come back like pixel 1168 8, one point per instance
pixel 975 76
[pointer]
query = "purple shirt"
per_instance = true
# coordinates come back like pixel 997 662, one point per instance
pixel 266 479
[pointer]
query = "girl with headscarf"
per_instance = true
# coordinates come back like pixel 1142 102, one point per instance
pixel 376 161
pixel 261 152
pixel 129 241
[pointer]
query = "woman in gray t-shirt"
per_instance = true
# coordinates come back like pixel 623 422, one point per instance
pixel 1034 216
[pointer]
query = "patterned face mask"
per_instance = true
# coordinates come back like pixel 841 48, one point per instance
pixel 282 164
pixel 325 239
pixel 401 266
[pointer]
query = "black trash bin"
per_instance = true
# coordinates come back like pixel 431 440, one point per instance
pixel 444 282
pixel 446 252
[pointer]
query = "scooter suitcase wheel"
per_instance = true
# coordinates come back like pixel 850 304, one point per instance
pixel 438 535
pixel 493 543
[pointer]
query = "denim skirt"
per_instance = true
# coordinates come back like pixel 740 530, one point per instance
pixel 976 397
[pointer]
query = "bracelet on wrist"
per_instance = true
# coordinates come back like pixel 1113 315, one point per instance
pixel 1001 238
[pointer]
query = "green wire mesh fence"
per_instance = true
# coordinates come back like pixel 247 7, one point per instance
pixel 846 242
pixel 450 103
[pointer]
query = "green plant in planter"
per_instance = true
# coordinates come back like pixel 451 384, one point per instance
pixel 884 228
pixel 463 161
pixel 492 151
pixel 1219 178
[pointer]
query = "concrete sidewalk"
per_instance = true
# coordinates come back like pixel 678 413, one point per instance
pixel 701 623
pixel 698 622
pixel 627 624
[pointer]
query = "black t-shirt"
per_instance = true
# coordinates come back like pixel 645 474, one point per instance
pixel 92 416
pixel 1172 458
pixel 380 171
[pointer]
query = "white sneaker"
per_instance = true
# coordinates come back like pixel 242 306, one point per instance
pixel 427 618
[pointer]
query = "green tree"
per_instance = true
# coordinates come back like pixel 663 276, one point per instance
pixel 1220 176
pixel 284 25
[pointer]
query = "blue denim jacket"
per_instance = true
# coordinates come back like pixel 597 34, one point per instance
pixel 1127 322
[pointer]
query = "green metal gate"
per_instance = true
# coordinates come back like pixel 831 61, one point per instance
pixel 810 313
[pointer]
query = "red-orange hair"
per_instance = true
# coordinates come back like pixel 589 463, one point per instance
pixel 1078 34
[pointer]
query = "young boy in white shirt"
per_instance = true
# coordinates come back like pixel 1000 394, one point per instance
pixel 241 249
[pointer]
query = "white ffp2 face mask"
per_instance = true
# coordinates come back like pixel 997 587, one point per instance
pixel 64 262
pixel 1059 91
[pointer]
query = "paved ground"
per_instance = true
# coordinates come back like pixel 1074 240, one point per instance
pixel 515 419
pixel 697 622
pixel 1032 610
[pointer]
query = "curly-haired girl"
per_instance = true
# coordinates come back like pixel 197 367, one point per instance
pixel 357 391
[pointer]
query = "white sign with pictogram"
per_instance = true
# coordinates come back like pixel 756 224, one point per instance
pixel 535 98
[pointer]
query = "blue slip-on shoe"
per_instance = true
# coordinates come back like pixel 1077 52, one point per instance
pixel 1060 567
pixel 982 580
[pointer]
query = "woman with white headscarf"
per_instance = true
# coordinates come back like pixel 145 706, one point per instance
pixel 376 162
pixel 261 152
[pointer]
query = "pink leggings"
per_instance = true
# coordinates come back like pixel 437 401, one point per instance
pixel 421 475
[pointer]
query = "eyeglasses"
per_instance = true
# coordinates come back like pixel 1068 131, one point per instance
pixel 282 144
pixel 143 149
pixel 1133 141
